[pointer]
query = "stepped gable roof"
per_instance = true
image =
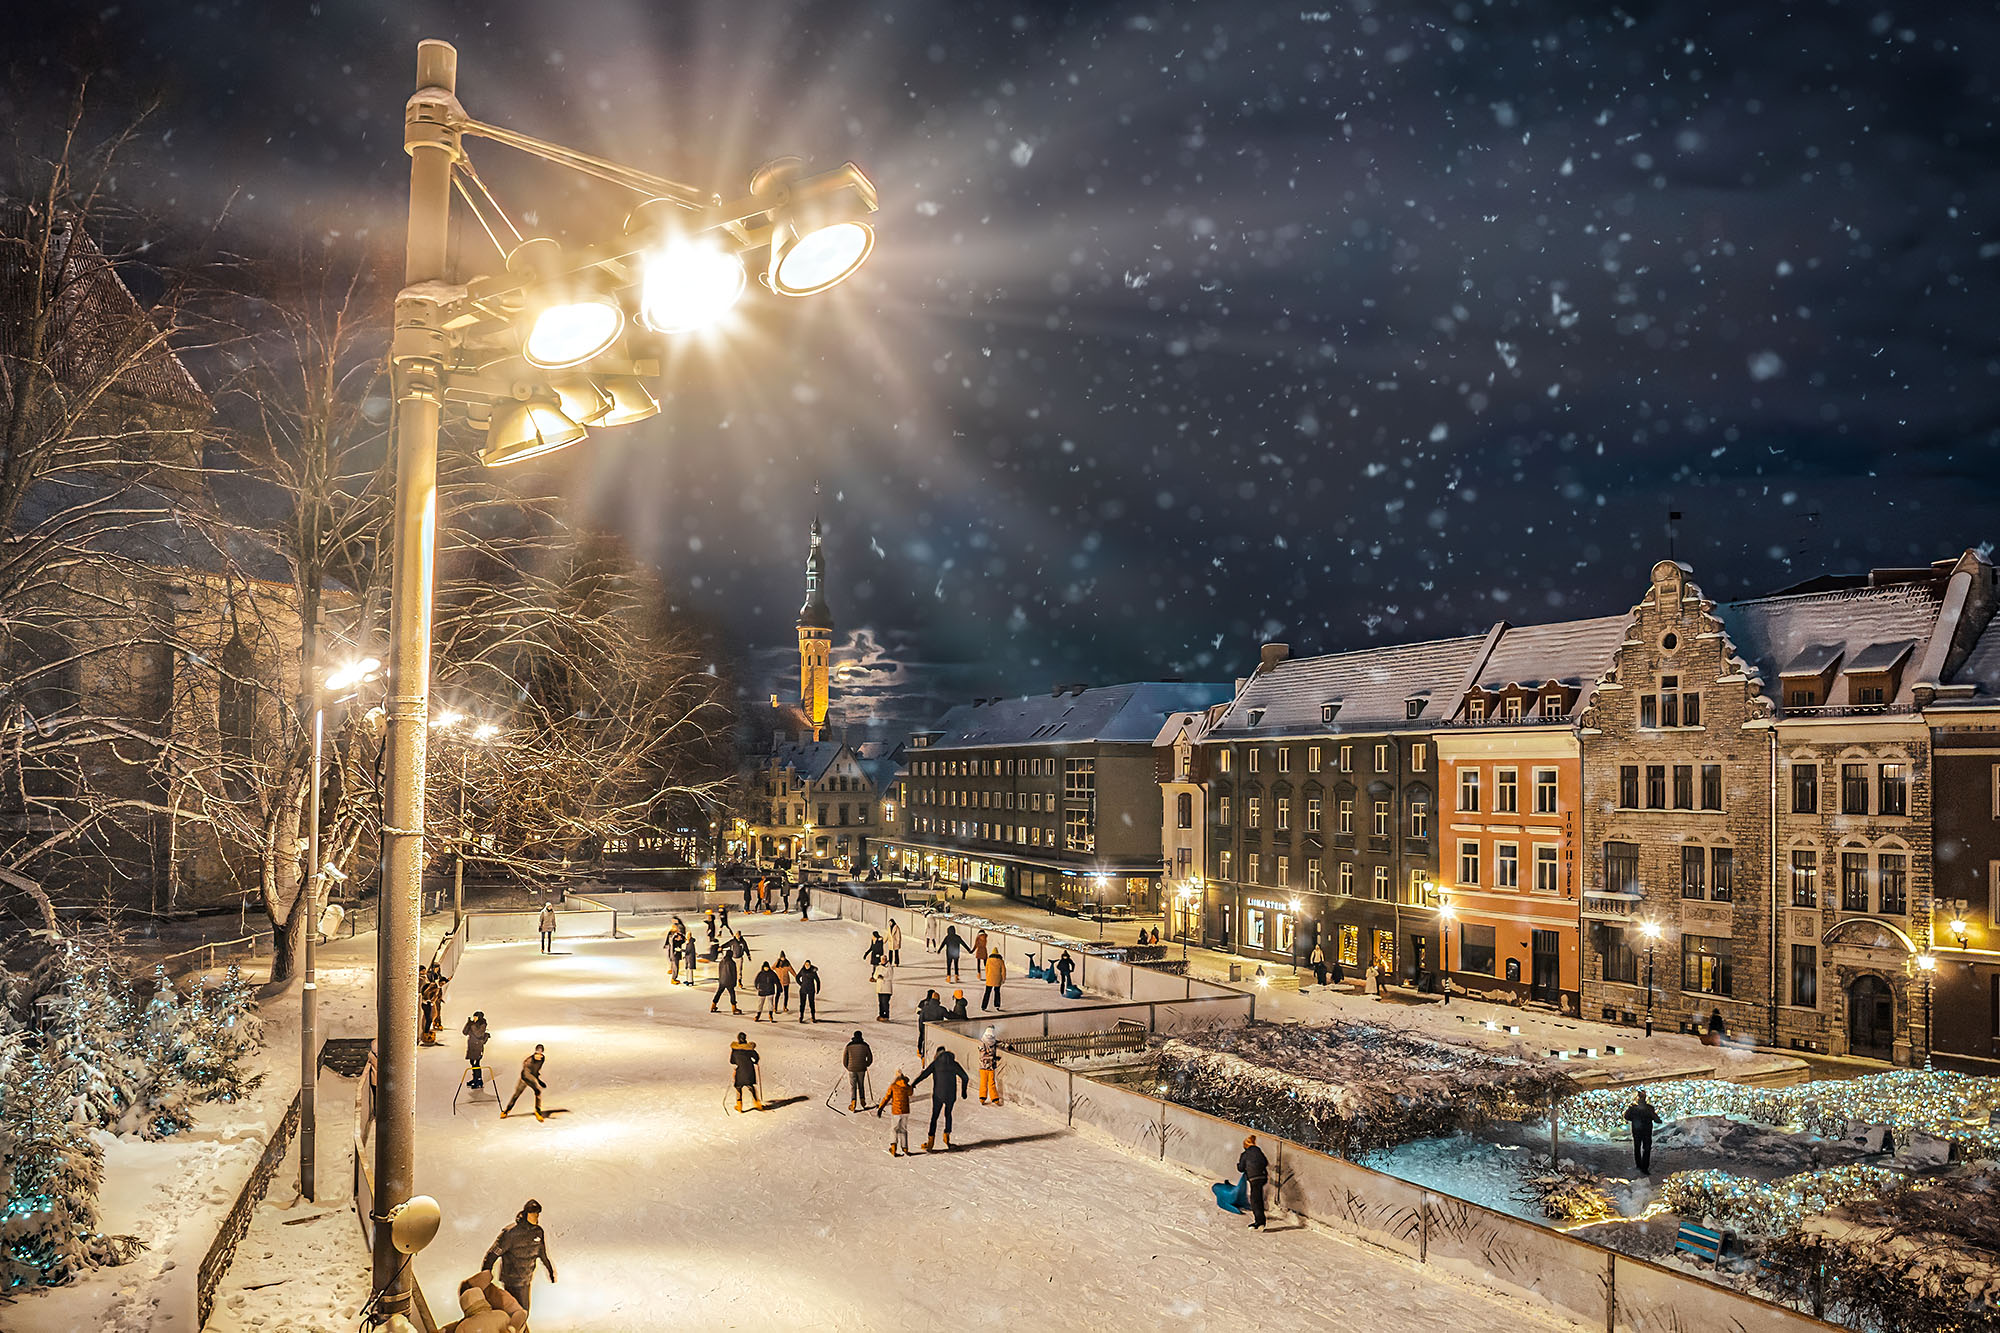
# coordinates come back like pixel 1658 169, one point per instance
pixel 1849 625
pixel 1371 687
pixel 1129 713
pixel 1569 652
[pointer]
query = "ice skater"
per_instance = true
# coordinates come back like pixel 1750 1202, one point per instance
pixel 951 946
pixel 895 943
pixel 690 958
pixel 957 1011
pixel 1642 1115
pixel 885 986
pixel 766 985
pixel 1065 965
pixel 855 1058
pixel 725 981
pixel 546 925
pixel 876 949
pixel 979 951
pixel 809 992
pixel 430 995
pixel 1255 1169
pixel 989 1068
pixel 897 1099
pixel 930 1010
pixel 786 975
pixel 948 1083
pixel 475 1046
pixel 517 1249
pixel 805 902
pixel 531 1077
pixel 743 1055
pixel 996 973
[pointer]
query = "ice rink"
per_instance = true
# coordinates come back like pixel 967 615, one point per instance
pixel 666 1209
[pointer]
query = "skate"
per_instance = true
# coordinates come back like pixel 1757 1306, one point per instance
pixel 892 1150
pixel 503 1115
pixel 947 1142
pixel 539 1116
pixel 850 1106
pixel 712 1009
pixel 927 1145
pixel 734 1010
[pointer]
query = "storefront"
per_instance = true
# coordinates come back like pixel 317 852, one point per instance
pixel 1268 926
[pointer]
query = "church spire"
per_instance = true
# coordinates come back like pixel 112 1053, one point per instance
pixel 815 626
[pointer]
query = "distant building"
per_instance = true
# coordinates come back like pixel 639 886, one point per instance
pixel 1180 766
pixel 1051 798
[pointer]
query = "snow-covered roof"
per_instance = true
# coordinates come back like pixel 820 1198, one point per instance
pixel 1129 713
pixel 1771 634
pixel 809 760
pixel 1981 668
pixel 1370 687
pixel 1569 652
pixel 1177 725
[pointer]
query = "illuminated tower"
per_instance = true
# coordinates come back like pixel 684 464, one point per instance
pixel 815 638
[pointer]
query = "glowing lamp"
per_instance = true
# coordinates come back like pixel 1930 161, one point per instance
pixel 569 316
pixel 528 428
pixel 818 233
pixel 352 674
pixel 803 263
pixel 1927 962
pixel 630 400
pixel 689 284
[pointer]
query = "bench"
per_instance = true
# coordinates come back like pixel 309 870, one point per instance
pixel 1700 1242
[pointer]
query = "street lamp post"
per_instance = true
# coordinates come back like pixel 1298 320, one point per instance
pixel 1097 884
pixel 494 342
pixel 1445 915
pixel 1294 950
pixel 1927 964
pixel 1651 930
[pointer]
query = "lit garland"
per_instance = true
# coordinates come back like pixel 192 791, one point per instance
pixel 1777 1207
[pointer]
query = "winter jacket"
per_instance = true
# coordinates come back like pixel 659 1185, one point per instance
pixel 989 1053
pixel 873 953
pixel 785 974
pixel 1064 966
pixel 1642 1116
pixel 953 945
pixel 979 947
pixel 531 1071
pixel 857 1057
pixel 957 1010
pixel 808 980
pixel 547 920
pixel 897 1098
pixel 884 981
pixel 475 1040
pixel 949 1081
pixel 725 970
pixel 516 1249
pixel 895 936
pixel 930 1009
pixel 996 969
pixel 738 949
pixel 743 1054
pixel 1253 1164
pixel 767 981
pixel 690 951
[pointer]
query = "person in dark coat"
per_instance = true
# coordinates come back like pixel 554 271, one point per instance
pixel 766 984
pixel 739 949
pixel 1642 1115
pixel 430 993
pixel 805 903
pixel 951 947
pixel 809 992
pixel 475 1046
pixel 876 950
pixel 949 1082
pixel 743 1055
pixel 517 1249
pixel 957 1011
pixel 531 1077
pixel 855 1058
pixel 725 980
pixel 750 889
pixel 690 958
pixel 1065 965
pixel 1255 1169
pixel 930 1009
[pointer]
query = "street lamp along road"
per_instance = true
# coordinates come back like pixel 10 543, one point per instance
pixel 1652 932
pixel 1446 913
pixel 1927 964
pixel 496 348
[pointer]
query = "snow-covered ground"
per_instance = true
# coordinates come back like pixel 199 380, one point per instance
pixel 664 1208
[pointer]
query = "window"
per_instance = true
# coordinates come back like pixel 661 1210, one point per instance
pixel 1256 921
pixel 1545 791
pixel 1721 874
pixel 1312 759
pixel 1475 949
pixel 1284 870
pixel 1621 867
pixel 1347 759
pixel 1671 707
pixel 1315 879
pixel 1706 964
pixel 1420 819
pixel 1413 709
pixel 1184 810
pixel 1506 791
pixel 1252 760
pixel 1854 789
pixel 1621 963
pixel 1326 712
pixel 1223 864
pixel 1890 874
pixel 1420 757
pixel 1381 759
pixel 1628 786
pixel 1511 708
pixel 1683 786
pixel 1507 866
pixel 1805 789
pixel 1468 863
pixel 1805 879
pixel 1854 881
pixel 1869 694
pixel 1656 786
pixel 1079 779
pixel 1253 866
pixel 1468 790
pixel 1895 790
pixel 1350 946
pixel 1711 786
pixel 1382 884
pixel 1079 834
pixel 1475 708
pixel 1805 976
pixel 1222 809
pixel 1347 816
pixel 1381 824
pixel 1347 879
pixel 1547 879
pixel 1253 812
pixel 1284 759
pixel 1312 814
pixel 1222 761
pixel 1694 866
pixel 1284 812
pixel 1649 711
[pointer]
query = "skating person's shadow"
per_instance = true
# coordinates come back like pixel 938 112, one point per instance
pixel 785 1101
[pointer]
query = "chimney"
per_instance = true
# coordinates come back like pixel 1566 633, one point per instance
pixel 1274 653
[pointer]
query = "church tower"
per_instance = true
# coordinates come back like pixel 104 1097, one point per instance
pixel 815 638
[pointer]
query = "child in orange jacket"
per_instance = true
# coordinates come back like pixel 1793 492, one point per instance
pixel 897 1099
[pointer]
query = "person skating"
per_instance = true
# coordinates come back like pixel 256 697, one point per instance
pixel 784 895
pixel 691 958
pixel 743 1055
pixel 996 972
pixel 957 1011
pixel 786 975
pixel 1255 1169
pixel 475 1046
pixel 531 1077
pixel 725 981
pixel 1642 1115
pixel 930 1009
pixel 708 922
pixel 517 1249
pixel 1065 965
pixel 895 943
pixel 949 1082
pixel 885 984
pixel 989 1067
pixel 876 949
pixel 951 946
pixel 805 902
pixel 739 949
pixel 855 1058
pixel 897 1099
pixel 546 925
pixel 722 915
pixel 676 937
pixel 766 985
pixel 979 951
pixel 750 888
pixel 809 992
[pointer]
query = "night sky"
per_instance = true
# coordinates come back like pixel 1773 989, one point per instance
pixel 1195 325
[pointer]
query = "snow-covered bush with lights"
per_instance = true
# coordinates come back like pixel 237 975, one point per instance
pixel 1351 1088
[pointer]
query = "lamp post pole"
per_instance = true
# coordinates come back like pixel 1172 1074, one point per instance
pixel 1927 964
pixel 1649 988
pixel 309 988
pixel 458 862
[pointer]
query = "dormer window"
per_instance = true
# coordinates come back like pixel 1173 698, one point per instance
pixel 1413 708
pixel 1475 708
pixel 1256 716
pixel 1511 709
pixel 1552 706
pixel 1328 711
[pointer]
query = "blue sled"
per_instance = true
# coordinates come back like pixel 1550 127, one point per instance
pixel 1036 971
pixel 1228 1197
pixel 1072 993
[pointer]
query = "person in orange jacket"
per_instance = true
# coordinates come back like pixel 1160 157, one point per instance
pixel 897 1099
pixel 996 972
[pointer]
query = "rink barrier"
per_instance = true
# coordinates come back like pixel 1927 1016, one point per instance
pixel 658 902
pixel 592 923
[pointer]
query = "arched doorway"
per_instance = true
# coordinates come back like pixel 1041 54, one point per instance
pixel 1871 1018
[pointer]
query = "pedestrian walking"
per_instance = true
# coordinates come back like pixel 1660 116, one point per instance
pixel 930 1009
pixel 743 1055
pixel 951 946
pixel 989 1068
pixel 475 1046
pixel 518 1248
pixel 805 902
pixel 786 974
pixel 809 992
pixel 1319 964
pixel 885 985
pixel 855 1058
pixel 766 985
pixel 996 972
pixel 725 981
pixel 1642 1115
pixel 1255 1168
pixel 546 925
pixel 895 943
pixel 1065 966
pixel 876 950
pixel 948 1083
pixel 979 951
pixel 531 1077
pixel 897 1099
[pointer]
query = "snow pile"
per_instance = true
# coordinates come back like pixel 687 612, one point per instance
pixel 1351 1088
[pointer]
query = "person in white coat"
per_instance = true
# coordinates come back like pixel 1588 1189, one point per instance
pixel 895 943
pixel 547 927
pixel 884 980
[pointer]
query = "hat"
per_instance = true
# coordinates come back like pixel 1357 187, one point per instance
pixel 479 1013
pixel 857 1035
pixel 958 995
pixel 1250 1142
pixel 532 1206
